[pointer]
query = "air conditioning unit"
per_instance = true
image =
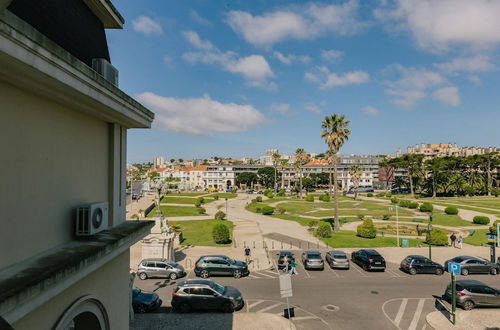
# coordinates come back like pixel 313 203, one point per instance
pixel 91 218
pixel 105 69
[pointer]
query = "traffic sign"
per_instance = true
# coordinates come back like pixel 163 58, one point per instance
pixel 286 285
pixel 454 268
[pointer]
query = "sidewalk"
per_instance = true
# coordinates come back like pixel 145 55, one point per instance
pixel 476 319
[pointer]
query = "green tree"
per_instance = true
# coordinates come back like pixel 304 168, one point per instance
pixel 220 233
pixel 367 229
pixel 266 176
pixel 413 165
pixel 247 178
pixel 335 133
pixel 355 173
pixel 300 160
pixel 283 167
pixel 324 230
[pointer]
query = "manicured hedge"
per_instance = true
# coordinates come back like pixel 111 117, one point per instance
pixel 220 215
pixel 220 234
pixel 324 230
pixel 267 210
pixel 451 210
pixel 369 195
pixel 413 205
pixel 481 220
pixel 426 207
pixel 310 198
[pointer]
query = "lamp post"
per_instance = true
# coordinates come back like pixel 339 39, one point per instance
pixel 397 224
pixel 429 228
pixel 226 207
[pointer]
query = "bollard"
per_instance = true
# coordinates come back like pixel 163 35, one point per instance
pixel 300 245
pixel 281 244
pixel 272 243
pixel 254 244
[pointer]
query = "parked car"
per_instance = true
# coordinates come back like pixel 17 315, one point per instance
pixel 360 189
pixel 143 302
pixel 150 268
pixel 220 265
pixel 281 258
pixel 473 265
pixel 205 294
pixel 400 190
pixel 415 264
pixel 260 192
pixel 472 293
pixel 312 260
pixel 368 259
pixel 337 259
pixel 250 191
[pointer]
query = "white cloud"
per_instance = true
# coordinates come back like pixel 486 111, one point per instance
pixel 406 98
pixel 296 22
pixel 200 116
pixel 475 80
pixel 477 63
pixel 327 79
pixel 146 25
pixel 438 25
pixel 288 59
pixel 448 95
pixel 312 108
pixel 332 55
pixel 198 19
pixel 254 68
pixel 370 110
pixel 280 107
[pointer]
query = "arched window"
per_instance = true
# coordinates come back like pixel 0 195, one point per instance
pixel 85 313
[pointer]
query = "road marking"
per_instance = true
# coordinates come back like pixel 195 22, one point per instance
pixel 400 313
pixel 264 274
pixel 269 307
pixel 272 272
pixel 417 314
pixel 255 304
pixel 304 268
pixel 393 273
pixel 250 275
pixel 421 301
pixel 332 270
pixel 303 318
pixel 359 271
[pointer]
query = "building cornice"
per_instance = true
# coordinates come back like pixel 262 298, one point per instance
pixel 106 12
pixel 34 63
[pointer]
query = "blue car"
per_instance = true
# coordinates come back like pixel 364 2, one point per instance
pixel 143 302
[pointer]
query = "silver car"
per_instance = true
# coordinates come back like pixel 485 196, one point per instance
pixel 337 259
pixel 472 293
pixel 312 260
pixel 160 268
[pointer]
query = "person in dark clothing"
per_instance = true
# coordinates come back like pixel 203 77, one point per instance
pixel 453 238
pixel 247 255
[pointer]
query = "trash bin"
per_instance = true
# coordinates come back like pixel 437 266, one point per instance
pixel 289 312
pixel 405 242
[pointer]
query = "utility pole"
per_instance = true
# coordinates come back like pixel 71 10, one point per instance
pixel 429 227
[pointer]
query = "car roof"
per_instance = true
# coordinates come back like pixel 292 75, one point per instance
pixel 214 256
pixel 463 258
pixel 470 283
pixel 336 252
pixel 285 252
pixel 155 259
pixel 416 256
pixel 370 251
pixel 312 252
pixel 195 282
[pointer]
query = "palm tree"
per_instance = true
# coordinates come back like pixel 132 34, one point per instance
pixel 355 173
pixel 335 133
pixel 283 166
pixel 276 161
pixel 413 165
pixel 300 160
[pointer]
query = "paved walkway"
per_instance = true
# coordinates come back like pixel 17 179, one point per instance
pixel 476 319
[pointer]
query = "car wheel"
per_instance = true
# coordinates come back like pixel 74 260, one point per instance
pixel 173 276
pixel 237 273
pixel 184 308
pixel 143 276
pixel 465 272
pixel 365 267
pixel 227 307
pixel 413 271
pixel 468 305
pixel 141 309
pixel 439 271
pixel 493 271
pixel 204 274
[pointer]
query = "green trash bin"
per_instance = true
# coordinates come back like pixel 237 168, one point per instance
pixel 405 242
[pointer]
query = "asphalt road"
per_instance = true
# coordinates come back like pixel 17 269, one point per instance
pixel 337 299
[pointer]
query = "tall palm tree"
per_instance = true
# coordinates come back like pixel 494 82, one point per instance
pixel 355 173
pixel 283 166
pixel 276 161
pixel 335 133
pixel 300 160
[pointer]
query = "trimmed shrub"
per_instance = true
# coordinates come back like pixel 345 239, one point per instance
pixel 281 193
pixel 313 223
pixel 386 217
pixel 270 195
pixel 413 205
pixel 324 198
pixel 197 204
pixel 495 192
pixel 380 195
pixel 404 203
pixel 481 220
pixel 220 215
pixel 324 230
pixel 216 197
pixel 367 229
pixel 201 210
pixel 493 228
pixel 451 210
pixel 200 200
pixel 369 195
pixel 309 198
pixel 220 233
pixel 258 210
pixel 394 200
pixel 267 191
pixel 388 195
pixel 281 210
pixel 426 207
pixel 437 237
pixel 258 199
pixel 267 210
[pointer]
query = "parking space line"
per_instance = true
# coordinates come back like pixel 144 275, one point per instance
pixel 250 275
pixel 270 271
pixel 270 307
pixel 304 268
pixel 254 304
pixel 265 274
pixel 401 311
pixel 332 270
pixel 393 273
pixel 359 271
pixel 416 316
pixel 275 266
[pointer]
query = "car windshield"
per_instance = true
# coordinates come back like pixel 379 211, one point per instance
pixel 219 288
pixel 231 261
pixel 135 292
pixel 339 256
pixel 313 256
pixel 171 263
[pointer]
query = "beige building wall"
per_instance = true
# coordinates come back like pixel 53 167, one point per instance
pixel 110 284
pixel 54 160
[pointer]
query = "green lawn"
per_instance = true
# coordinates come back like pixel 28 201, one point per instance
pixel 176 211
pixel 224 195
pixel 300 220
pixel 192 194
pixel 378 213
pixel 440 219
pixel 348 239
pixel 470 208
pixel 276 199
pixel 479 238
pixel 199 232
pixel 183 200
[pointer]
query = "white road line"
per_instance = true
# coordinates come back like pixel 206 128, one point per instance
pixel 332 270
pixel 359 271
pixel 302 265
pixel 269 307
pixel 270 271
pixel 400 313
pixel 303 318
pixel 250 275
pixel 393 273
pixel 255 304
pixel 264 274
pixel 417 314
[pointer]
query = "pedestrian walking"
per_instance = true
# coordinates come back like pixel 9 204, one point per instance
pixel 453 238
pixel 460 241
pixel 293 269
pixel 247 255
pixel 285 262
pixel 419 232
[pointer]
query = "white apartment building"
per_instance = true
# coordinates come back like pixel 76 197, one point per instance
pixel 158 162
pixel 448 149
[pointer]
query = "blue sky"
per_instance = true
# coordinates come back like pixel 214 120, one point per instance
pixel 234 78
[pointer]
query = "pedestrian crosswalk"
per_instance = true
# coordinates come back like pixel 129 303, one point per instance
pixel 408 313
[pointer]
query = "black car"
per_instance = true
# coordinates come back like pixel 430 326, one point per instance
pixel 143 302
pixel 281 258
pixel 205 294
pixel 473 265
pixel 471 293
pixel 368 259
pixel 416 264
pixel 220 265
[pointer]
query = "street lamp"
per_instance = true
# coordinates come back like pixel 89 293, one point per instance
pixel 429 228
pixel 226 207
pixel 397 223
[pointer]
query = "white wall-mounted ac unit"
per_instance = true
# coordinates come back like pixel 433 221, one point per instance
pixel 91 218
pixel 105 69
